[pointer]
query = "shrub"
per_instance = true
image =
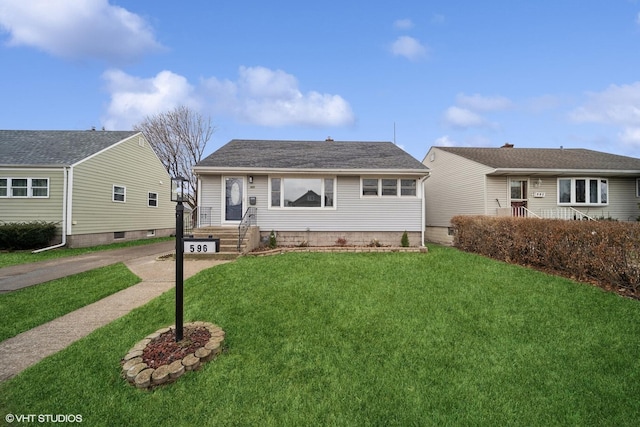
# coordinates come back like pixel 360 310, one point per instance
pixel 404 241
pixel 375 243
pixel 605 252
pixel 272 240
pixel 26 235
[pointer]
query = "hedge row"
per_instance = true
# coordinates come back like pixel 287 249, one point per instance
pixel 604 252
pixel 26 235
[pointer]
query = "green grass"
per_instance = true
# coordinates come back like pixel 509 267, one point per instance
pixel 446 338
pixel 24 257
pixel 29 307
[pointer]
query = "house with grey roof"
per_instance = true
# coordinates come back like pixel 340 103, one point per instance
pixel 528 182
pixel 98 186
pixel 314 192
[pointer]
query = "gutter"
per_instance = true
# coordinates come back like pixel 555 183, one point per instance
pixel 64 217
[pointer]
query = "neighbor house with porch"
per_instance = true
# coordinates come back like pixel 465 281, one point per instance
pixel 313 192
pixel 99 187
pixel 528 182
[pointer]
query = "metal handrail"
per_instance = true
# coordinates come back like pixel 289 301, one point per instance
pixel 250 218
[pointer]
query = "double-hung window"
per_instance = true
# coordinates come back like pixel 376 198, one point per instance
pixel 39 187
pixel 24 187
pixel 153 200
pixel 583 191
pixel 387 187
pixel 302 192
pixel 119 194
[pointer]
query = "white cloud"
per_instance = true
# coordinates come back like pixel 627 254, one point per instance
pixel 618 105
pixel 444 141
pixel 630 136
pixel 403 24
pixel 133 98
pixel 77 29
pixel 467 111
pixel 463 118
pixel 259 96
pixel 408 47
pixel 483 103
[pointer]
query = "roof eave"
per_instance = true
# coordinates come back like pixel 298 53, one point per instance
pixel 209 170
pixel 34 166
pixel 562 172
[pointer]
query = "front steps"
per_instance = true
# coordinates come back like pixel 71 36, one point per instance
pixel 228 242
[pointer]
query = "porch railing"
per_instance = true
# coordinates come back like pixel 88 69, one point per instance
pixel 201 216
pixel 567 213
pixel 250 218
pixel 522 212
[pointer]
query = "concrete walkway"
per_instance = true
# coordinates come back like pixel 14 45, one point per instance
pixel 158 276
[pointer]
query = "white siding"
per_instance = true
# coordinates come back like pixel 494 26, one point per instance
pixel 351 212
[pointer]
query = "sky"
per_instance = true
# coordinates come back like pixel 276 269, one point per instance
pixel 538 74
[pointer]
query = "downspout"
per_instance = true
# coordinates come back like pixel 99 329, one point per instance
pixel 423 214
pixel 64 217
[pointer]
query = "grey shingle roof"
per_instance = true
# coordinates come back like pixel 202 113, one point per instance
pixel 546 158
pixel 263 154
pixel 54 148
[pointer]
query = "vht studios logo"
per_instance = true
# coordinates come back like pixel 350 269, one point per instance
pixel 43 418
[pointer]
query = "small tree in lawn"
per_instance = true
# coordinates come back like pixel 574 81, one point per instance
pixel 179 138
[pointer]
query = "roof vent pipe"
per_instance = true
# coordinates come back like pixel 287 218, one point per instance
pixel 329 139
pixel 507 145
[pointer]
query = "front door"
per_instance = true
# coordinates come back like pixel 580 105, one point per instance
pixel 233 198
pixel 518 197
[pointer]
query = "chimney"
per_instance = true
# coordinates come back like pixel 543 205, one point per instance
pixel 507 145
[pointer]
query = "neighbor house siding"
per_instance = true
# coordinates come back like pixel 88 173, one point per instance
pixel 497 194
pixel 131 164
pixel 34 209
pixel 456 186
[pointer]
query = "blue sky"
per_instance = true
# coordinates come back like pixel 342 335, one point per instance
pixel 422 73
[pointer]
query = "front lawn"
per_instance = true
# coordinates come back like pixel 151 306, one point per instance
pixel 446 338
pixel 27 308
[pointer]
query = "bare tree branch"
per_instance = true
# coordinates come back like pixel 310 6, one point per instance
pixel 179 138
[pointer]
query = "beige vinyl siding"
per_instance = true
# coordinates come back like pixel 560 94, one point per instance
pixel 126 164
pixel 622 203
pixel 17 209
pixel 497 194
pixel 456 186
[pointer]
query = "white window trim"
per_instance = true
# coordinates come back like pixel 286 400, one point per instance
pixel 113 194
pixel 398 188
pixel 573 191
pixel 29 188
pixel 322 179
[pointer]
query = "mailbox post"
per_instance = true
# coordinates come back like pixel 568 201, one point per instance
pixel 178 194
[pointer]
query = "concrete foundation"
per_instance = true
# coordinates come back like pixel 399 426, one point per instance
pixel 96 239
pixel 340 238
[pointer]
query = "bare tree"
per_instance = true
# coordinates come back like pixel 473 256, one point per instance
pixel 179 138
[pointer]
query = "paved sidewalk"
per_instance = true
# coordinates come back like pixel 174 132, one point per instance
pixel 158 276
